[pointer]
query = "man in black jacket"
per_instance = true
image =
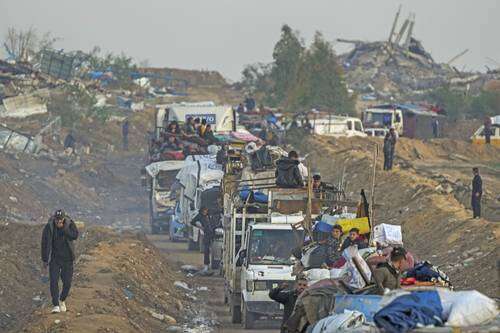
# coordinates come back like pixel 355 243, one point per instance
pixel 203 220
pixel 288 297
pixel 287 171
pixel 58 253
pixel 477 193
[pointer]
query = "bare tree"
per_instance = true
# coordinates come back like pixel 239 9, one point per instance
pixel 24 45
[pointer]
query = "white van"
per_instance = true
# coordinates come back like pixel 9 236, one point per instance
pixel 338 126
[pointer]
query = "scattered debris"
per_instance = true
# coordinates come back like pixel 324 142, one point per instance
pixel 182 285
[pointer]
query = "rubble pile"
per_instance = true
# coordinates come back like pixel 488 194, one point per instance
pixel 401 67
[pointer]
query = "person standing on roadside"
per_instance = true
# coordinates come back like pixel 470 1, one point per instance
pixel 125 134
pixel 58 254
pixel 477 193
pixel 389 149
pixel 288 297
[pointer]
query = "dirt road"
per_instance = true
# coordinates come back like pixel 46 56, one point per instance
pixel 214 300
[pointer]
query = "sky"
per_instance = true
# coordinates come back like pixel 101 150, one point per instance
pixel 226 35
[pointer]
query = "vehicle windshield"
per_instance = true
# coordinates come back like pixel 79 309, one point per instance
pixel 379 118
pixel 269 247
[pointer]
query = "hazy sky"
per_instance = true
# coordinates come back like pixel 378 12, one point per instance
pixel 225 35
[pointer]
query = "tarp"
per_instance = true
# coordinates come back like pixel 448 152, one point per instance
pixel 199 171
pixel 156 167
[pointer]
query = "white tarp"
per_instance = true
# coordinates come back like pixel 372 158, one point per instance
pixel 154 168
pixel 199 171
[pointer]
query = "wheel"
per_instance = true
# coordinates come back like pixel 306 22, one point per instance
pixel 235 313
pixel 214 264
pixel 192 245
pixel 248 320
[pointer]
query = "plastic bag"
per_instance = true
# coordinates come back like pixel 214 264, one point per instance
pixel 340 322
pixel 467 308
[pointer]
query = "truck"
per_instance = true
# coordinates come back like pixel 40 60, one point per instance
pixel 200 180
pixel 159 177
pixel 259 236
pixel 408 120
pixel 338 126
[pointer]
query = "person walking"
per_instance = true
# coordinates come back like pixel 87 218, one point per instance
pixel 288 297
pixel 125 134
pixel 58 254
pixel 203 221
pixel 477 193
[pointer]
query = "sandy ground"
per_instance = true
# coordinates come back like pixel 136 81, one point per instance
pixel 214 300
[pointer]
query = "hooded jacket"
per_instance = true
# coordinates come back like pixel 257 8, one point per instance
pixel 288 173
pixel 70 235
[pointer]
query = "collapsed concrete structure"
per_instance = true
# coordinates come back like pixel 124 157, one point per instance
pixel 400 67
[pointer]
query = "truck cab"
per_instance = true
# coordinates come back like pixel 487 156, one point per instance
pixel 382 118
pixel 267 264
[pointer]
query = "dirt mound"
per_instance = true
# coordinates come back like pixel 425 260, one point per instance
pixel 193 77
pixel 436 224
pixel 121 284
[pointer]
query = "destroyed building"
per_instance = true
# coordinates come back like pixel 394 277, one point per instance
pixel 400 67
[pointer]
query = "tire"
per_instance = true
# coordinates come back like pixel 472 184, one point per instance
pixel 214 264
pixel 248 318
pixel 235 313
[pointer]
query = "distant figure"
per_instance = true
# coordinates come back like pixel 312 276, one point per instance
pixel 202 128
pixel 203 221
pixel 125 134
pixel 389 149
pixel 487 130
pixel 69 143
pixel 477 193
pixel 335 244
pixel 435 127
pixel 189 127
pixel 209 135
pixel 250 103
pixel 288 297
pixel 58 253
pixel 287 171
pixel 240 108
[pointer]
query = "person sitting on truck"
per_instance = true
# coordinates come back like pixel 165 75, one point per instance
pixel 287 171
pixel 189 127
pixel 203 221
pixel 288 297
pixel 387 275
pixel 172 144
pixel 335 244
pixel 173 128
pixel 354 238
pixel 209 136
pixel 202 128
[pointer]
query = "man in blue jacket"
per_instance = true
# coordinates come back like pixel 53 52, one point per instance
pixel 58 253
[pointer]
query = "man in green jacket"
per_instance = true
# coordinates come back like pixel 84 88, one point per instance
pixel 58 253
pixel 387 275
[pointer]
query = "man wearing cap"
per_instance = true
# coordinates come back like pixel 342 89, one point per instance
pixel 58 253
